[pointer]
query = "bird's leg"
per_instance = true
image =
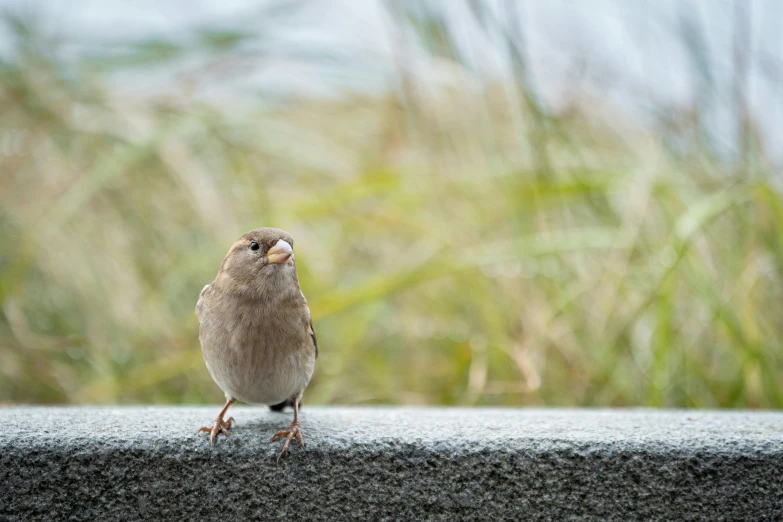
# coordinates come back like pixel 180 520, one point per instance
pixel 220 426
pixel 295 430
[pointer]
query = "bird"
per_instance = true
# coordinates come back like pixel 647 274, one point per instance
pixel 256 330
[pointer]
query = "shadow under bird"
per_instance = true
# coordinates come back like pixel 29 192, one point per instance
pixel 255 329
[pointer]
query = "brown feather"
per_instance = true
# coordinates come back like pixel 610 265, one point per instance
pixel 255 328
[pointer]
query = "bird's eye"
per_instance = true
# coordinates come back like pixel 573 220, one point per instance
pixel 253 245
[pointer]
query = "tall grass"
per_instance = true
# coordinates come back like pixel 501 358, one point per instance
pixel 458 244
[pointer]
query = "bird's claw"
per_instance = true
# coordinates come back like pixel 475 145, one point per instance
pixel 295 430
pixel 220 426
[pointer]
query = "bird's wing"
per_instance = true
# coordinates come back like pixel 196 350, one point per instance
pixel 200 302
pixel 315 341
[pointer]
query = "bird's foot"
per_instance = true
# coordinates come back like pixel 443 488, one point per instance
pixel 295 430
pixel 220 426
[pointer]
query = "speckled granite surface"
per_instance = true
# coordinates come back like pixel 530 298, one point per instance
pixel 126 463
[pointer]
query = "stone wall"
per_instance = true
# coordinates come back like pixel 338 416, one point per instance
pixel 392 464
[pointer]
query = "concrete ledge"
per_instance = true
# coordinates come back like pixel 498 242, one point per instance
pixel 392 464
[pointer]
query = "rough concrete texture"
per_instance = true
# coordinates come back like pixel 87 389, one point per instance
pixel 392 464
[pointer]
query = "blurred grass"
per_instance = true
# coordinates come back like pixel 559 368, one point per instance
pixel 459 245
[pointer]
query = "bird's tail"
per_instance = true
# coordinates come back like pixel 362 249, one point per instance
pixel 282 405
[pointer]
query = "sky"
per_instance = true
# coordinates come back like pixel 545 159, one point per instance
pixel 629 54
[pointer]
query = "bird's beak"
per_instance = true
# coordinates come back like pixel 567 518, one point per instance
pixel 280 253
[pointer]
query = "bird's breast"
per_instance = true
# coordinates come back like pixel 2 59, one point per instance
pixel 256 353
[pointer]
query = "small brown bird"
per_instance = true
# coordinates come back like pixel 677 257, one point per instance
pixel 256 333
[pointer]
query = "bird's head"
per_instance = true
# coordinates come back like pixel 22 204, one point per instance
pixel 260 258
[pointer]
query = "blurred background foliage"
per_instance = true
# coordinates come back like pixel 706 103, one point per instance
pixel 463 236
